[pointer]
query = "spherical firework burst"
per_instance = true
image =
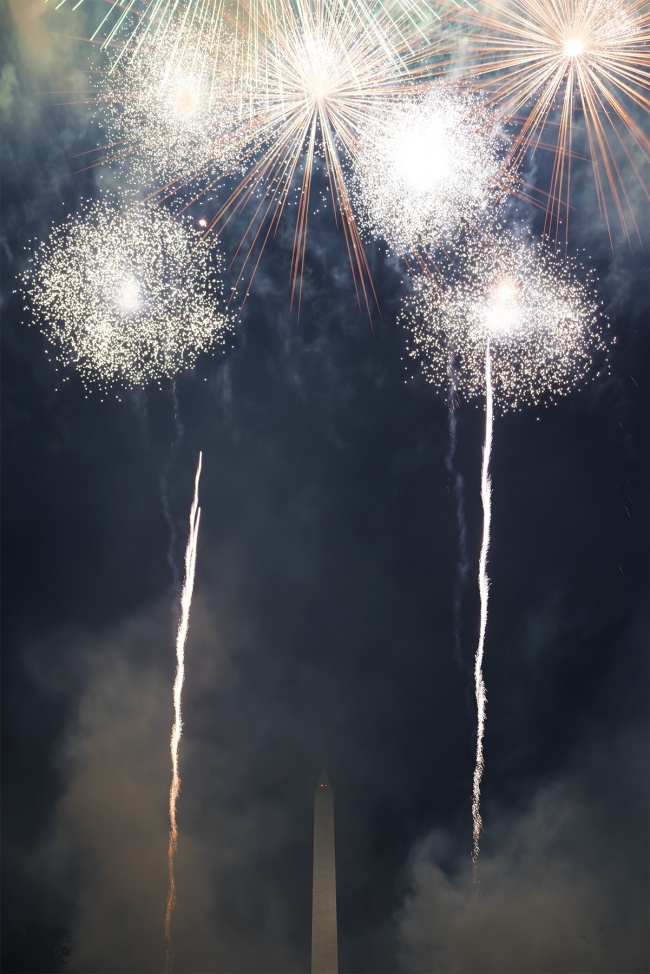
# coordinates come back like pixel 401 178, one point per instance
pixel 541 322
pixel 575 75
pixel 173 103
pixel 126 298
pixel 429 167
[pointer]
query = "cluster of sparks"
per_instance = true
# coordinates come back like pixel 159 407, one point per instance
pixel 177 730
pixel 431 167
pixel 536 313
pixel 172 105
pixel 126 297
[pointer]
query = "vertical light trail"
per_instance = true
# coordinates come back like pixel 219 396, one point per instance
pixel 181 637
pixel 484 587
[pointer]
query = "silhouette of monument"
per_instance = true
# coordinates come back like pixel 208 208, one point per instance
pixel 324 946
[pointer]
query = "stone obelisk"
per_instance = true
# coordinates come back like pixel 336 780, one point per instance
pixel 324 947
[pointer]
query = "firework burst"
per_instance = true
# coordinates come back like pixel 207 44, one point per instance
pixel 325 70
pixel 568 67
pixel 430 167
pixel 174 104
pixel 522 328
pixel 538 315
pixel 126 298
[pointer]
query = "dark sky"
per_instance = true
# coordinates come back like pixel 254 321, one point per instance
pixel 322 623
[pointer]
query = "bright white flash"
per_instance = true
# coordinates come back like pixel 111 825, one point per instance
pixel 503 309
pixel 428 168
pixel 130 295
pixel 185 97
pixel 424 158
pixel 573 47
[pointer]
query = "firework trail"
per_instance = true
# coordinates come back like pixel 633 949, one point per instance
pixel 459 497
pixel 484 588
pixel 519 326
pixel 186 604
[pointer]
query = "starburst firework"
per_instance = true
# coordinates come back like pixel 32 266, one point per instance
pixel 575 75
pixel 325 70
pixel 430 167
pixel 126 298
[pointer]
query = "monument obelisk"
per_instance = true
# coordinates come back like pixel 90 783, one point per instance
pixel 324 946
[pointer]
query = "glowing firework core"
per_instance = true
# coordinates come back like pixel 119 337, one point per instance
pixel 574 47
pixel 429 166
pixel 503 311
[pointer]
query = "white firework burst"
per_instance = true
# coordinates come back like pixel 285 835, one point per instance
pixel 538 315
pixel 429 168
pixel 126 297
pixel 172 105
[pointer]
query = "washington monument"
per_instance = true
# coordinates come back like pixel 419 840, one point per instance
pixel 324 948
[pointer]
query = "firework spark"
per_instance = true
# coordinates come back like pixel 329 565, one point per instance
pixel 563 67
pixel 126 297
pixel 186 604
pixel 174 104
pixel 430 167
pixel 521 327
pixel 538 313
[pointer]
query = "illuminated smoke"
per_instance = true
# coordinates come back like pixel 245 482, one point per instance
pixel 459 498
pixel 186 604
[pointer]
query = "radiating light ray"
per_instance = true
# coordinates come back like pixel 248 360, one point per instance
pixel 563 67
pixel 177 730
pixel 126 298
pixel 325 69
pixel 519 326
pixel 484 591
pixel 429 168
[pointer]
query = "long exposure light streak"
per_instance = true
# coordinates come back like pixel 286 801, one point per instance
pixel 519 326
pixel 126 298
pixel 177 730
pixel 484 591
pixel 575 76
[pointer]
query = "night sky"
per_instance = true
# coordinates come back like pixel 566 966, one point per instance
pixel 322 628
